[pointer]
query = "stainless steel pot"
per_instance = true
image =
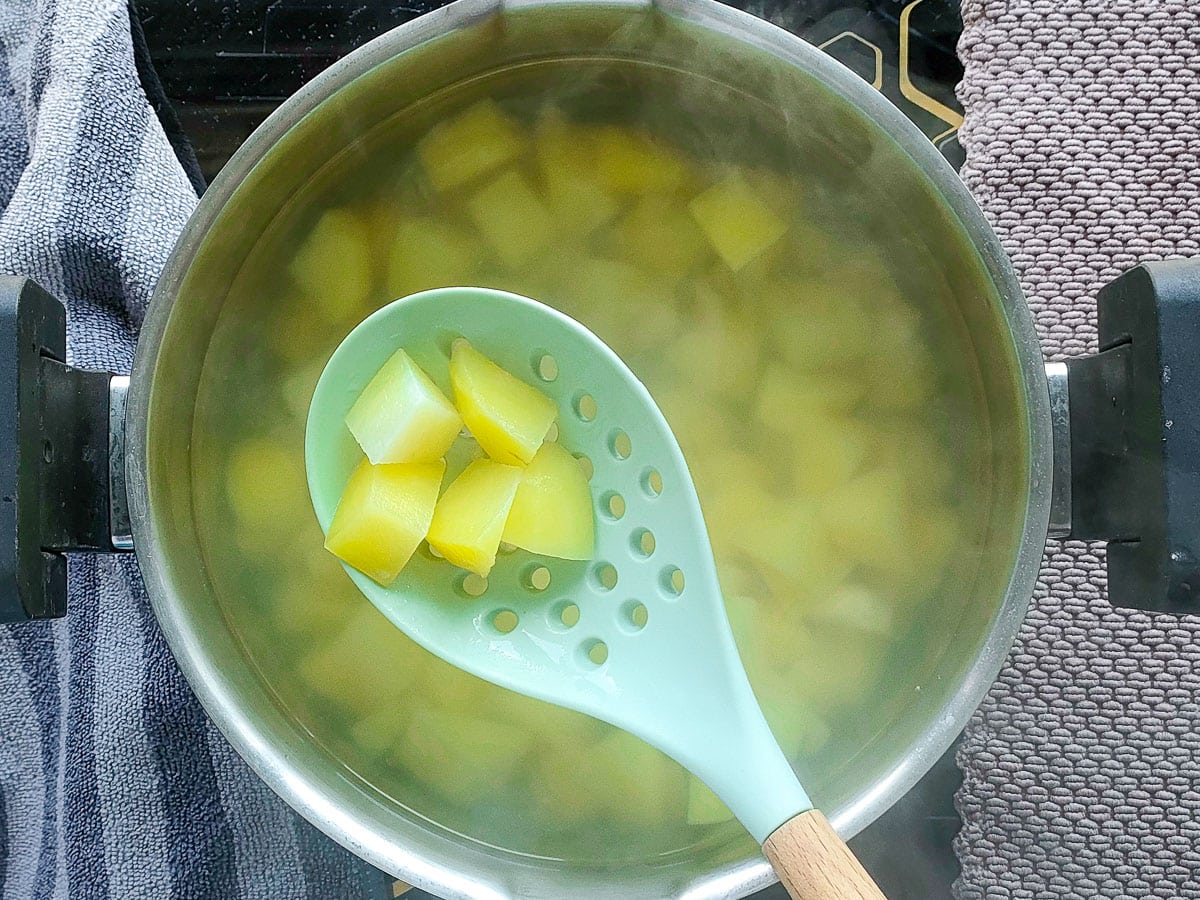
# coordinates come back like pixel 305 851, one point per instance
pixel 1103 449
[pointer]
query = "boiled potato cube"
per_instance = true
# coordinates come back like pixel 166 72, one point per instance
pixel 566 160
pixel 852 606
pixel 631 162
pixel 464 757
pixel 383 516
pixel 868 515
pixel 470 516
pixel 658 236
pixel 593 281
pixel 265 483
pixel 739 225
pixel 566 786
pixel 715 359
pixel 834 674
pixel 479 140
pixel 428 253
pixel 703 806
pixel 822 336
pixel 512 219
pixel 314 600
pixel 333 265
pixel 508 417
pixel 644 786
pixel 826 453
pixel 401 416
pixel 552 511
pixel 379 731
pixel 367 666
pixel 787 400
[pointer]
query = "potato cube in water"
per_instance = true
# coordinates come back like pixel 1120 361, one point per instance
pixel 852 606
pixel 566 159
pixel 463 756
pixel 739 225
pixel 401 416
pixel 660 237
pixel 480 140
pixel 508 417
pixel 512 219
pixel 716 360
pixel 645 319
pixel 631 162
pixel 788 400
pixel 552 511
pixel 645 786
pixel 366 666
pixel 333 265
pixel 428 253
pixel 264 484
pixel 470 516
pixel 383 516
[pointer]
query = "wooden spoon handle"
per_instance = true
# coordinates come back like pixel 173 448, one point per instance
pixel 815 864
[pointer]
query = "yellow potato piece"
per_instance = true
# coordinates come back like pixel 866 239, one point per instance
pixel 660 237
pixel 586 280
pixel 481 139
pixel 644 786
pixel 333 265
pixel 552 511
pixel 508 417
pixel 428 253
pixel 566 160
pixel 512 219
pixel 265 484
pixel 739 225
pixel 789 400
pixel 367 665
pixel 631 162
pixel 462 755
pixel 716 359
pixel 383 516
pixel 401 416
pixel 469 519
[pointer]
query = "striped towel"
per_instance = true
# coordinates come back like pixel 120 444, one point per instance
pixel 113 783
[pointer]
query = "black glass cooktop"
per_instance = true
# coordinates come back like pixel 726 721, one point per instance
pixel 225 65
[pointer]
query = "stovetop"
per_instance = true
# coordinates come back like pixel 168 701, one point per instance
pixel 225 66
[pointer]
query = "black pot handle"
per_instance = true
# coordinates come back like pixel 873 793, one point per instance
pixel 56 463
pixel 1132 473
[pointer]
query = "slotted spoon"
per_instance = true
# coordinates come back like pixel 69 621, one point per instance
pixel 637 636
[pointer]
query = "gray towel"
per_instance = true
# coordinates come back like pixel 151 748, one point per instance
pixel 1082 132
pixel 113 783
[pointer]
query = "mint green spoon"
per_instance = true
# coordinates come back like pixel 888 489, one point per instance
pixel 638 636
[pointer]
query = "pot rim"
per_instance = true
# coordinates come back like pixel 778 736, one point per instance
pixel 272 762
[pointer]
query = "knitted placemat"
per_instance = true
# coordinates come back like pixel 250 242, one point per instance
pixel 1082 768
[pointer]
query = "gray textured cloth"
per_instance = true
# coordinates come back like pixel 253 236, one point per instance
pixel 1082 769
pixel 113 783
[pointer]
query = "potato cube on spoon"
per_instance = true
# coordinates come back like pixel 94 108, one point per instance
pixel 469 519
pixel 383 516
pixel 508 417
pixel 401 416
pixel 552 511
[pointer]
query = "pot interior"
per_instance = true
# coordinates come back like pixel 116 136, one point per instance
pixel 849 401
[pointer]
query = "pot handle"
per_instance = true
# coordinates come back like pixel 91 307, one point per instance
pixel 61 444
pixel 1126 424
